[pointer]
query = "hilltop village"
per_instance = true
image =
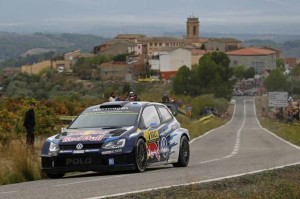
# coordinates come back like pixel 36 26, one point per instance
pixel 161 55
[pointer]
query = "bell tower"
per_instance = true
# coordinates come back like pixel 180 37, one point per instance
pixel 192 29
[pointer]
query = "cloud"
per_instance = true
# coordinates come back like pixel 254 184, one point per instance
pixel 78 13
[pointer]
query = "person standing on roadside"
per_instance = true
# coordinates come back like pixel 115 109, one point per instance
pixel 29 124
pixel 112 97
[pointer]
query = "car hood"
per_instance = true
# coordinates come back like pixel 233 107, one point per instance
pixel 90 135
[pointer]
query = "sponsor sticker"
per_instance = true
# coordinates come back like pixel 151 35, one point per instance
pixel 78 151
pixel 153 150
pixel 151 135
pixel 111 161
pixel 78 161
pixel 83 138
pixel 111 152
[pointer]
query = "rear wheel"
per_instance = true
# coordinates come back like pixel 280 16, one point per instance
pixel 55 175
pixel 140 156
pixel 184 153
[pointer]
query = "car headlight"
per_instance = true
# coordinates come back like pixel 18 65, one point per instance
pixel 53 149
pixel 115 144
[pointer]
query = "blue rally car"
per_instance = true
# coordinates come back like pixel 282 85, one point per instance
pixel 117 136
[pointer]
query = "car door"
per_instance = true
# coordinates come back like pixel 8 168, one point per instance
pixel 166 132
pixel 150 124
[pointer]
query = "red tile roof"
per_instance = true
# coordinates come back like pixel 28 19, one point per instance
pixel 251 52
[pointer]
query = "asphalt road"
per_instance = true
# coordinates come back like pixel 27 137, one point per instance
pixel 241 146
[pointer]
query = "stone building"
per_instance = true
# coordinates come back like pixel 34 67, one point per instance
pixel 222 44
pixel 62 63
pixel 258 58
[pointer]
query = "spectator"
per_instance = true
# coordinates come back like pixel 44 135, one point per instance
pixel 117 98
pixel 188 109
pixel 29 124
pixel 136 97
pixel 290 118
pixel 165 98
pixel 112 97
pixel 179 103
pixel 132 97
pixel 213 110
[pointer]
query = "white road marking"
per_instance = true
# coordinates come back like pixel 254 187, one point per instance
pixel 208 132
pixel 237 139
pixel 287 142
pixel 98 179
pixel 192 183
pixel 213 160
pixel 8 192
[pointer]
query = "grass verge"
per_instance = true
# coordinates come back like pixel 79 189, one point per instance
pixel 18 163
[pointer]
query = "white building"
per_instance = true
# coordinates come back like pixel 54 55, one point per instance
pixel 168 61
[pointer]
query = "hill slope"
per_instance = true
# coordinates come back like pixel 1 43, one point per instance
pixel 13 45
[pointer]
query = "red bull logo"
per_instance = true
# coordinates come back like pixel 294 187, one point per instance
pixel 153 150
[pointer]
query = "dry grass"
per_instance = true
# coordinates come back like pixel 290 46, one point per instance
pixel 280 128
pixel 19 163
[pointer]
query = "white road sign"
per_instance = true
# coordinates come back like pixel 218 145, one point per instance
pixel 278 99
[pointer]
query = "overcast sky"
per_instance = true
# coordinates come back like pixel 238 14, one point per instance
pixel 114 16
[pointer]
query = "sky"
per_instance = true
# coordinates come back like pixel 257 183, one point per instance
pixel 111 17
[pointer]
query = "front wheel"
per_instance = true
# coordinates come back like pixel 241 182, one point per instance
pixel 140 159
pixel 184 153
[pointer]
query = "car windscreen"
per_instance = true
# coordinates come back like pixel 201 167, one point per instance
pixel 104 120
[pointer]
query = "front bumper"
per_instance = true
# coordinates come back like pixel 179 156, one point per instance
pixel 63 163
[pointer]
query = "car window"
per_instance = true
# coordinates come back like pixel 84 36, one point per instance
pixel 165 113
pixel 149 116
pixel 104 120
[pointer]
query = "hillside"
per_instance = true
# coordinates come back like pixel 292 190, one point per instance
pixel 13 45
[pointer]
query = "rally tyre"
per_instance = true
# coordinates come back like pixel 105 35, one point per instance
pixel 184 153
pixel 140 156
pixel 55 175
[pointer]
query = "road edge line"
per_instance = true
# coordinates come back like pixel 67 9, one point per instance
pixel 270 132
pixel 208 132
pixel 193 183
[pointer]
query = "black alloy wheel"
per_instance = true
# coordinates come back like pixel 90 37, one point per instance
pixel 140 156
pixel 184 153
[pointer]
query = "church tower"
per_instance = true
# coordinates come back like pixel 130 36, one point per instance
pixel 192 29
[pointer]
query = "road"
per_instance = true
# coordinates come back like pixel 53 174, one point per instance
pixel 240 147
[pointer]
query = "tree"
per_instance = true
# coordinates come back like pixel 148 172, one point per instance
pixel 203 47
pixel 182 80
pixel 296 71
pixel 249 73
pixel 86 67
pixel 276 81
pixel 279 63
pixel 120 57
pixel 239 72
pixel 213 75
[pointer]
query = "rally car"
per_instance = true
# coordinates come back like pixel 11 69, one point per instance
pixel 117 136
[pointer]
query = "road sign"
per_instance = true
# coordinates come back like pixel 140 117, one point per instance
pixel 278 99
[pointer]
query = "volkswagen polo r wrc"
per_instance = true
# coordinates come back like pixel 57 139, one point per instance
pixel 117 136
